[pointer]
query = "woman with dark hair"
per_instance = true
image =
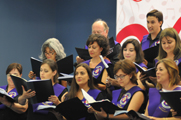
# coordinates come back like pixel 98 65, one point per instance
pixel 83 80
pixel 130 97
pixel 167 79
pixel 170 46
pixel 131 49
pixel 51 49
pixel 98 45
pixel 9 110
pixel 48 70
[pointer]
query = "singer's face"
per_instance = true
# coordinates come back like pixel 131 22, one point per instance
pixel 94 50
pixel 122 78
pixel 46 72
pixel 162 73
pixel 81 76
pixel 129 52
pixel 12 72
pixel 50 54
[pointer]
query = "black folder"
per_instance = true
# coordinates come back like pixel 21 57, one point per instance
pixel 65 65
pixel 148 72
pixel 8 97
pixel 83 53
pixel 72 109
pixel 43 88
pixel 151 53
pixel 173 99
pixel 106 105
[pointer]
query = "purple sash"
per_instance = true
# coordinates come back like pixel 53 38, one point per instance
pixel 92 92
pixel 142 65
pixel 13 93
pixel 98 69
pixel 157 108
pixel 126 97
pixel 58 89
pixel 145 43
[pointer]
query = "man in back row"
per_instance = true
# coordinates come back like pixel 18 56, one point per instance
pixel 101 27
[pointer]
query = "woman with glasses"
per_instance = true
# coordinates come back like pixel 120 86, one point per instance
pixel 130 97
pixel 10 110
pixel 98 45
pixel 51 49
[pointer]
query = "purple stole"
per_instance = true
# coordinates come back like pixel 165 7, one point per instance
pixel 142 65
pixel 126 97
pixel 145 43
pixel 58 89
pixel 92 92
pixel 156 107
pixel 13 93
pixel 98 69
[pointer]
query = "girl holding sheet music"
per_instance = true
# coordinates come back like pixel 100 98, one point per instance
pixel 51 49
pixel 167 79
pixel 130 97
pixel 83 80
pixel 48 70
pixel 98 45
pixel 12 110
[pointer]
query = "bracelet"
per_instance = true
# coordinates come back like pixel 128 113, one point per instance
pixel 10 105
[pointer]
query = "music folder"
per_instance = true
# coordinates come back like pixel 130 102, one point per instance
pixel 65 65
pixel 43 88
pixel 83 53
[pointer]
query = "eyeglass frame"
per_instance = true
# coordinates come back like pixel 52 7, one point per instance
pixel 120 77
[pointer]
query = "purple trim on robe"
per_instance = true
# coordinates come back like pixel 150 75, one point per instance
pixel 157 108
pixel 58 89
pixel 92 92
pixel 86 47
pixel 126 97
pixel 142 65
pixel 13 93
pixel 145 43
pixel 98 69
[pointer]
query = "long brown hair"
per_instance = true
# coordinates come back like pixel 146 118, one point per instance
pixel 172 69
pixel 75 87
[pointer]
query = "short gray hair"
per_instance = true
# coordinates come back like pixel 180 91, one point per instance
pixel 106 27
pixel 53 44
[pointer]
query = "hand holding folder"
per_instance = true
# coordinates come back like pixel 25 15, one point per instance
pixel 43 88
pixel 65 65
pixel 105 104
pixel 8 97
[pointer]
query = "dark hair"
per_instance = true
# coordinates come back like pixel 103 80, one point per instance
pixel 171 32
pixel 172 69
pixel 74 86
pixel 53 65
pixel 156 14
pixel 14 66
pixel 128 67
pixel 137 47
pixel 101 40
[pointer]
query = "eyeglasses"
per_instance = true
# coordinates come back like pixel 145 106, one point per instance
pixel 50 53
pixel 120 77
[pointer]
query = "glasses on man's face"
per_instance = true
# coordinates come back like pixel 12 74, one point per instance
pixel 50 53
pixel 97 32
pixel 120 77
